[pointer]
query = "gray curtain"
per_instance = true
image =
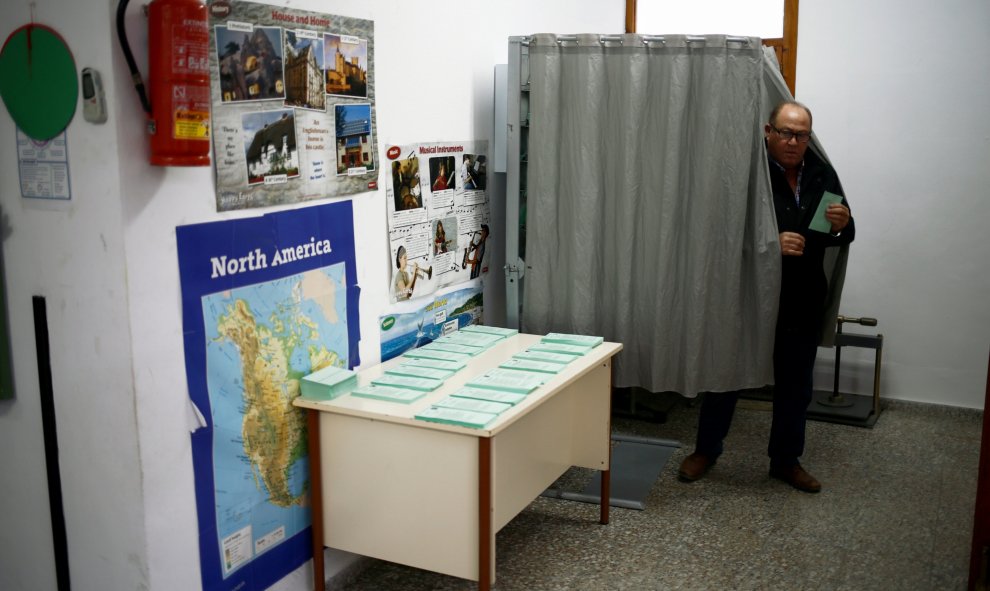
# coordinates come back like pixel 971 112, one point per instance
pixel 650 216
pixel 836 258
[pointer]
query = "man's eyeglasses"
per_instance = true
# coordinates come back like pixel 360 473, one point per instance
pixel 787 135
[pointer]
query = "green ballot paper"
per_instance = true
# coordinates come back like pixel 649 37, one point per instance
pixel 510 380
pixel 327 383
pixel 820 223
pixel 407 382
pixel 405 369
pixel 388 394
pixel 434 363
pixel 577 340
pixel 532 365
pixel 463 350
pixel 546 356
pixel 456 416
pixel 560 348
pixel 429 352
pixel 488 394
pixel 502 332
pixel 474 405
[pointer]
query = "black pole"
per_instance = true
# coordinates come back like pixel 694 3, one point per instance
pixel 838 357
pixel 59 540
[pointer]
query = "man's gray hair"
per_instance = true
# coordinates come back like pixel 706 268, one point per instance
pixel 784 103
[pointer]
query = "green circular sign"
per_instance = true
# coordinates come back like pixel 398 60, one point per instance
pixel 38 81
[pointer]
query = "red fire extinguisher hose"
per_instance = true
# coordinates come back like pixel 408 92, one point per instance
pixel 131 64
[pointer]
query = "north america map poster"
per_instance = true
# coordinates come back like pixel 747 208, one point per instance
pixel 265 301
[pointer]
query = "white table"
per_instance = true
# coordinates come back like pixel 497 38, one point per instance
pixel 433 496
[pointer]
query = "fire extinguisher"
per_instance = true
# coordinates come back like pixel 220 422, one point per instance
pixel 179 106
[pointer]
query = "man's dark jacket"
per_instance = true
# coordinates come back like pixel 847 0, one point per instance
pixel 803 286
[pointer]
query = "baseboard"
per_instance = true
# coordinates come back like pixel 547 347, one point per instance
pixel 943 409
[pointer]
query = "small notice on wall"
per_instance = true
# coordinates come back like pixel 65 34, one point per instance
pixel 43 167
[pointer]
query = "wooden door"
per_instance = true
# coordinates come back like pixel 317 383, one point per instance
pixel 979 560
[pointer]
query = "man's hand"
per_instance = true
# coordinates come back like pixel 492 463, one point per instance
pixel 838 215
pixel 792 243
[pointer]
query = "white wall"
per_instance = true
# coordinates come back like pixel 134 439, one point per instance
pixel 72 253
pixel 900 113
pixel 107 262
pixel 899 91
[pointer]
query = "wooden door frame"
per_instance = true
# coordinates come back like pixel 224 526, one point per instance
pixel 980 548
pixel 786 46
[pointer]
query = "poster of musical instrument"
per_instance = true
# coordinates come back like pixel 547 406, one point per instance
pixel 438 216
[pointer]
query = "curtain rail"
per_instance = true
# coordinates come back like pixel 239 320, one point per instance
pixel 691 39
pixel 647 39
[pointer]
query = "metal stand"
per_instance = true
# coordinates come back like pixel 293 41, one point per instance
pixel 850 409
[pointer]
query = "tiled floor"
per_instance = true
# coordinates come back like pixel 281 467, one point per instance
pixel 895 513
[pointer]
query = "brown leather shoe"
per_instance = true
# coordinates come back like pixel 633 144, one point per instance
pixel 797 477
pixel 694 467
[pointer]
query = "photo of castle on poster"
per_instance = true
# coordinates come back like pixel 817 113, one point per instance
pixel 354 145
pixel 304 70
pixel 270 146
pixel 250 61
pixel 346 61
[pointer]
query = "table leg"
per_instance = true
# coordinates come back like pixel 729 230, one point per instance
pixel 484 513
pixel 316 497
pixel 607 474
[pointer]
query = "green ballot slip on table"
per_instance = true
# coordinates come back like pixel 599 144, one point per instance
pixel 383 481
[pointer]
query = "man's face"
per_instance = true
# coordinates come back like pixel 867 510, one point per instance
pixel 789 153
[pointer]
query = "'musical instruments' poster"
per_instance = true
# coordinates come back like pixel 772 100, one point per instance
pixel 293 104
pixel 265 301
pixel 438 216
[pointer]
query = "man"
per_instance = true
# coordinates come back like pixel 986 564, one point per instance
pixel 799 179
